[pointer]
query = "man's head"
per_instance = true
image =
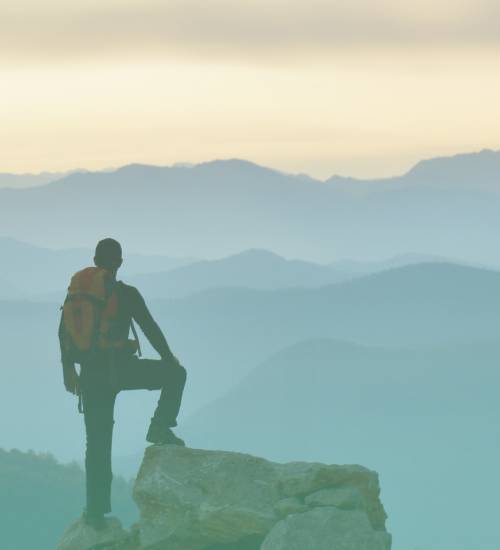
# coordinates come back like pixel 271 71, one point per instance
pixel 108 254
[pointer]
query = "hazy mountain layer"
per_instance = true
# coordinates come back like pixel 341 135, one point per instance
pixel 474 171
pixel 32 272
pixel 422 417
pixel 424 305
pixel 221 335
pixel 426 420
pixel 256 269
pixel 417 401
pixel 219 208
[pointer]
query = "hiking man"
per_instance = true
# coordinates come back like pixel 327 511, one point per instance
pixel 94 331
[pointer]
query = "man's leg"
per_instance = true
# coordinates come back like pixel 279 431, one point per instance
pixel 170 399
pixel 152 374
pixel 98 406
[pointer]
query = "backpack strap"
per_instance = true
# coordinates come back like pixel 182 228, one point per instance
pixel 121 286
pixel 136 337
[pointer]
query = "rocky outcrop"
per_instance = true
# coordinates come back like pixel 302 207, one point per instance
pixel 326 528
pixel 211 500
pixel 79 536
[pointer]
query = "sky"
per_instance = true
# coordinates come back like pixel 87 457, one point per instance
pixel 356 88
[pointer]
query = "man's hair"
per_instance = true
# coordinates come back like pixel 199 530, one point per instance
pixel 108 254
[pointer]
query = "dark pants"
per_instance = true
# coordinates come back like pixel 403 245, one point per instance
pixel 100 383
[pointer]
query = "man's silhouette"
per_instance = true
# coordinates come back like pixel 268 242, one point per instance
pixel 109 370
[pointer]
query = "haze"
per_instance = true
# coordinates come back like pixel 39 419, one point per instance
pixel 364 90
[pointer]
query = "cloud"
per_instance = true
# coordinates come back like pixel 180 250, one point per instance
pixel 54 29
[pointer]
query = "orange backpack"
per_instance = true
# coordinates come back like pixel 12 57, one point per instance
pixel 90 314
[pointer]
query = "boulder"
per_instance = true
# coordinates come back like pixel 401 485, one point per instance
pixel 191 499
pixel 305 478
pixel 79 536
pixel 326 528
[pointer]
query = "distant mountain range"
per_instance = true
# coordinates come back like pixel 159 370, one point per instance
pixel 422 419
pixel 21 181
pixel 473 171
pixel 31 272
pixel 293 349
pixel 263 270
pixel 410 307
pixel 397 370
pixel 302 385
pixel 251 269
pixel 443 207
pixel 221 334
pixel 462 169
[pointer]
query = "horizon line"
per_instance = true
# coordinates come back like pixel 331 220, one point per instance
pixel 190 165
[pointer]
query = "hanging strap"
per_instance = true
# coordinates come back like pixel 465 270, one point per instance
pixel 136 337
pixel 120 285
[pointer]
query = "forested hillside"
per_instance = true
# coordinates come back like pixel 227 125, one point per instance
pixel 39 497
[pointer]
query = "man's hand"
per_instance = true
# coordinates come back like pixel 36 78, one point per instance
pixel 71 379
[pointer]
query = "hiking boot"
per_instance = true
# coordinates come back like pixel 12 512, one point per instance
pixel 96 521
pixel 162 435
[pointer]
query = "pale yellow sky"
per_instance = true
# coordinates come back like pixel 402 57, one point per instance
pixel 358 88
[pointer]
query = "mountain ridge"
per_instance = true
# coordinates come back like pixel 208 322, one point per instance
pixel 421 168
pixel 461 167
pixel 252 268
pixel 221 207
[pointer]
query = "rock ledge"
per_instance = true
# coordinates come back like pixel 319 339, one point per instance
pixel 191 499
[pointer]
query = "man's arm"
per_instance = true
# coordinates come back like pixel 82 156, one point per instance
pixel 149 326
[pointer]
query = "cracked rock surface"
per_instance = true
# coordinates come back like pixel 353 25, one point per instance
pixel 192 499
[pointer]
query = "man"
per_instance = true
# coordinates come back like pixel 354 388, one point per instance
pixel 109 370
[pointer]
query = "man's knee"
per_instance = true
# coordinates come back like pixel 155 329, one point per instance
pixel 175 370
pixel 182 374
pixel 175 375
